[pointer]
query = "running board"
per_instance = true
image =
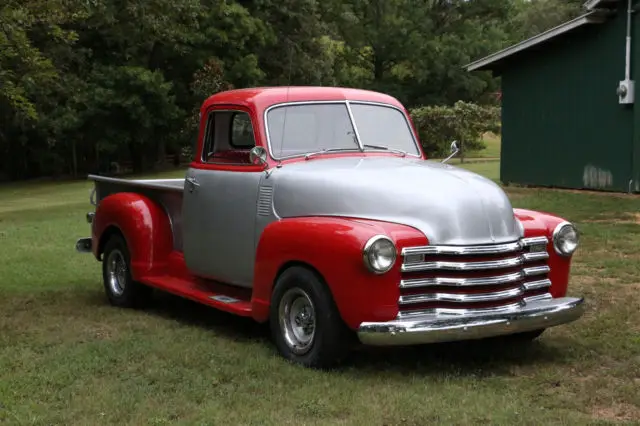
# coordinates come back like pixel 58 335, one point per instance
pixel 199 293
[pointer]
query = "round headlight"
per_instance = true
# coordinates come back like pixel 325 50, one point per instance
pixel 565 239
pixel 379 254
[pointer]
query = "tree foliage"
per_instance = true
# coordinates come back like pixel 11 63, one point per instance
pixel 463 122
pixel 86 84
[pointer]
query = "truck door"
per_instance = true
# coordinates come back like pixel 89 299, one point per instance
pixel 220 199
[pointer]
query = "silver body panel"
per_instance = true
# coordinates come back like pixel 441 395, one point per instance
pixel 166 192
pixel 217 224
pixel 448 204
pixel 219 221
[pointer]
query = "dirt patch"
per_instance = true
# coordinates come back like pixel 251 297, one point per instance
pixel 618 411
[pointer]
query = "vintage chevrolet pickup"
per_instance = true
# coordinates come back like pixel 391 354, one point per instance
pixel 316 210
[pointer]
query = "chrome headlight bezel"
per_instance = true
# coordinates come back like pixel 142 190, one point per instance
pixel 559 233
pixel 373 246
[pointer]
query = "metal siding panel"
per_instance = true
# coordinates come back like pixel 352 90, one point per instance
pixel 635 63
pixel 562 124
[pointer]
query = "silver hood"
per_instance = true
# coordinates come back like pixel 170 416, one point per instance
pixel 448 204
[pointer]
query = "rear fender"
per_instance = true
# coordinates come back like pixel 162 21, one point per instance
pixel 332 246
pixel 144 225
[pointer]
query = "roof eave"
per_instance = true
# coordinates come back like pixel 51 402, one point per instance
pixel 592 4
pixel 594 17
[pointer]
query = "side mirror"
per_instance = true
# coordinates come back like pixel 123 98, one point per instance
pixel 258 156
pixel 454 150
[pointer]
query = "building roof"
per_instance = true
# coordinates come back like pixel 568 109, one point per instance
pixel 596 16
pixel 593 4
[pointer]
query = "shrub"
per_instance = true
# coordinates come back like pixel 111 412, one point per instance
pixel 438 126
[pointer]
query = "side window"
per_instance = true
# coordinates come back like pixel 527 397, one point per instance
pixel 241 131
pixel 228 138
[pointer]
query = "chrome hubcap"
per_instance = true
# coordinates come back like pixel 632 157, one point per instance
pixel 297 320
pixel 116 272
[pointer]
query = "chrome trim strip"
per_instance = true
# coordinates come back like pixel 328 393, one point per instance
pixel 536 270
pixel 536 255
pixel 464 266
pixel 462 250
pixel 431 328
pixel 534 241
pixel 537 285
pixel 480 249
pixel 461 298
pixel 355 126
pixel 537 298
pixel 460 312
pixel 345 101
pixel 460 282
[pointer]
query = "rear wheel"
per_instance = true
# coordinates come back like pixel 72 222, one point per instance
pixel 305 323
pixel 119 286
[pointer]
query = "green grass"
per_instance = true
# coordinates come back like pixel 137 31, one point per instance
pixel 68 357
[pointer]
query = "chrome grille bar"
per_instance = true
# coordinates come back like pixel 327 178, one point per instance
pixel 476 250
pixel 465 266
pixel 459 282
pixel 509 266
pixel 461 298
pixel 457 311
pixel 537 285
pixel 536 270
pixel 538 297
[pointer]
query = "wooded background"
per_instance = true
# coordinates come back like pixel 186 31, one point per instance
pixel 88 86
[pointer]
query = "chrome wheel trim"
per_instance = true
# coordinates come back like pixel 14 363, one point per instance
pixel 116 272
pixel 297 320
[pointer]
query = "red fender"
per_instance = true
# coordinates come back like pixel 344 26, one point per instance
pixel 333 247
pixel 538 224
pixel 144 225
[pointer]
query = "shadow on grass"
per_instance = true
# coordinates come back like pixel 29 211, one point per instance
pixel 189 313
pixel 478 358
pixel 486 358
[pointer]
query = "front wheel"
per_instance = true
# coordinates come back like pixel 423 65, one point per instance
pixel 305 323
pixel 119 286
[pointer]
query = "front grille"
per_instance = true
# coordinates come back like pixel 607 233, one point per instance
pixel 473 279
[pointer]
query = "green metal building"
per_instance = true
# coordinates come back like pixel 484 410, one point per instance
pixel 569 113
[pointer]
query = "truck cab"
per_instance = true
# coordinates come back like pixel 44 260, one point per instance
pixel 315 209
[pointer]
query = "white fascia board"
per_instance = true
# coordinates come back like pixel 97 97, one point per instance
pixel 592 4
pixel 593 17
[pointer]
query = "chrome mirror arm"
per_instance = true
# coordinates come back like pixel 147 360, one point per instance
pixel 454 151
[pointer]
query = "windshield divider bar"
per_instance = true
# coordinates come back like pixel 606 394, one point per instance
pixel 355 128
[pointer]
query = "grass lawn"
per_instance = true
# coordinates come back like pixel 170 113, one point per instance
pixel 67 357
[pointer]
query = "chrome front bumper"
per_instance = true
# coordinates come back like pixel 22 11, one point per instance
pixel 432 328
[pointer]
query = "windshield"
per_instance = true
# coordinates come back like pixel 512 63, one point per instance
pixel 327 126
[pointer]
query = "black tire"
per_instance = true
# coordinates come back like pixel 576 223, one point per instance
pixel 330 340
pixel 121 289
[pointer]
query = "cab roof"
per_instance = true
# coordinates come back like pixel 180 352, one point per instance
pixel 264 97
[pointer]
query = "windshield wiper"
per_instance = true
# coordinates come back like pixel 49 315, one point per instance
pixel 306 157
pixel 386 148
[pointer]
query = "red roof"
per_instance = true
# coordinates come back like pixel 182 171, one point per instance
pixel 263 97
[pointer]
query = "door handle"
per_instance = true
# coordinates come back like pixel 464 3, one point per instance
pixel 193 183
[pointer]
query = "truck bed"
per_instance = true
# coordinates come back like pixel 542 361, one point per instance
pixel 166 192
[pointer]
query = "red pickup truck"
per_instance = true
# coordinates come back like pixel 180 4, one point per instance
pixel 316 210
